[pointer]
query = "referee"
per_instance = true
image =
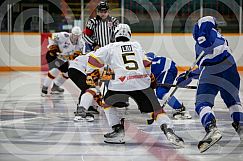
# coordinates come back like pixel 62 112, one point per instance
pixel 99 31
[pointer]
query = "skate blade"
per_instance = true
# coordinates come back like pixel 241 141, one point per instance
pixel 94 112
pixel 179 144
pixel 185 118
pixel 205 146
pixel 112 141
pixel 56 93
pixel 89 119
pixel 181 117
pixel 43 95
pixel 78 119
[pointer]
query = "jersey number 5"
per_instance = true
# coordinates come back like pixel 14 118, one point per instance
pixel 132 64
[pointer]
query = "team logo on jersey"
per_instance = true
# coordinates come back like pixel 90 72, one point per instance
pixel 110 24
pixel 66 44
pixel 66 35
pixel 122 78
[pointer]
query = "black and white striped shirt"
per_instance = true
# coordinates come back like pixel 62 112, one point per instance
pixel 100 32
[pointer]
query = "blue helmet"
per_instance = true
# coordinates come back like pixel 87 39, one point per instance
pixel 150 55
pixel 202 31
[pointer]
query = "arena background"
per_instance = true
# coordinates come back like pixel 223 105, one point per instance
pixel 36 128
pixel 161 26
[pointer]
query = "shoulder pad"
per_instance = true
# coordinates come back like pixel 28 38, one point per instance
pixel 55 36
pixel 66 35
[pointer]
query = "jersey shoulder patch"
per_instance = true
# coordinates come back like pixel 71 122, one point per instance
pixel 55 36
pixel 66 35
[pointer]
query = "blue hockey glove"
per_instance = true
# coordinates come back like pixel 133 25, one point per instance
pixel 182 81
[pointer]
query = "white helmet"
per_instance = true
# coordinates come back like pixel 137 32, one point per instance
pixel 76 31
pixel 123 30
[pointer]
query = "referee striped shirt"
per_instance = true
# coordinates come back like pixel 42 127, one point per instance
pixel 100 32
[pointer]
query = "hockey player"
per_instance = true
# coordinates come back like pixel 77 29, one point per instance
pixel 62 47
pixel 165 72
pixel 131 79
pixel 218 73
pixel 90 96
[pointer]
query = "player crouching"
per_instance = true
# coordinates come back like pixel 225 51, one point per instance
pixel 91 98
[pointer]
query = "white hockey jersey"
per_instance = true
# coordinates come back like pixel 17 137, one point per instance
pixel 80 63
pixel 129 63
pixel 67 48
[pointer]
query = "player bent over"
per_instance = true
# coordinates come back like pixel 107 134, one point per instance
pixel 131 79
pixel 90 97
pixel 165 72
pixel 218 74
pixel 62 47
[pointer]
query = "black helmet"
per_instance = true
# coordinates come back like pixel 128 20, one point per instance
pixel 103 5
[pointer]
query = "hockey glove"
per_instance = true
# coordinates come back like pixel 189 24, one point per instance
pixel 108 75
pixel 93 77
pixel 53 50
pixel 75 54
pixel 182 80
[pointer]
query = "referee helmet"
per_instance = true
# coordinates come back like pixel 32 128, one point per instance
pixel 102 6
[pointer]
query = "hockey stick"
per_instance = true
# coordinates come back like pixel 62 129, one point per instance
pixel 105 82
pixel 174 85
pixel 150 121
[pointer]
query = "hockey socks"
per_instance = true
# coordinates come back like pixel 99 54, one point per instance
pixel 112 115
pixel 236 112
pixel 206 115
pixel 61 79
pixel 52 74
pixel 86 100
pixel 174 103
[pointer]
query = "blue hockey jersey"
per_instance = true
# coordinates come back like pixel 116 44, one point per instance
pixel 209 40
pixel 160 66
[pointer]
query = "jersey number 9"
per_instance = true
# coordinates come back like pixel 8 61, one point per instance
pixel 132 64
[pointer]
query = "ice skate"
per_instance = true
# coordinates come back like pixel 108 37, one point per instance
pixel 56 89
pixel 213 136
pixel 44 91
pixel 93 110
pixel 182 114
pixel 117 135
pixel 171 136
pixel 82 115
pixel 238 129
